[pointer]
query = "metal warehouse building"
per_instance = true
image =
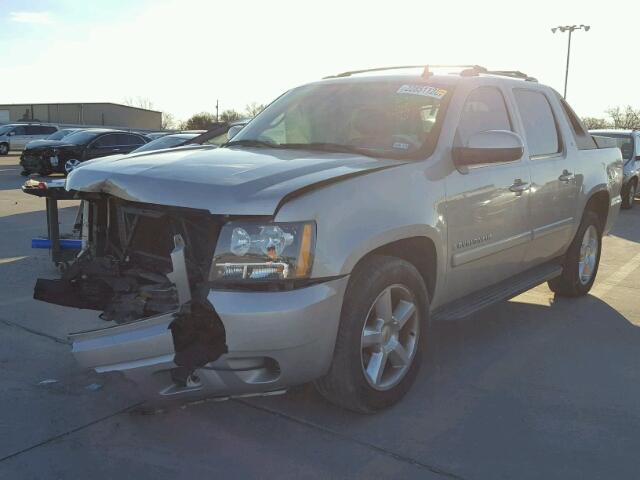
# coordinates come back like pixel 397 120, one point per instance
pixel 90 114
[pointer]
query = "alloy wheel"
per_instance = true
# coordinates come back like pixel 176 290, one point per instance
pixel 69 165
pixel 389 339
pixel 588 255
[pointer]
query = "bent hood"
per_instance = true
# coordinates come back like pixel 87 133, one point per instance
pixel 231 181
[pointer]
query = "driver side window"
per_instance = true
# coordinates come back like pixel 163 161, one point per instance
pixel 484 109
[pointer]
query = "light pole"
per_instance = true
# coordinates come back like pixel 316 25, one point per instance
pixel 570 29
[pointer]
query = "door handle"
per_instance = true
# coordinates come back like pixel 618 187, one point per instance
pixel 519 186
pixel 566 176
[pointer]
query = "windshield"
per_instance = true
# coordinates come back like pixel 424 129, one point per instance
pixel 5 129
pixel 623 141
pixel 82 137
pixel 169 141
pixel 380 118
pixel 59 135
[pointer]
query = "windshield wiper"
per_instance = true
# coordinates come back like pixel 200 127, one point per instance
pixel 329 147
pixel 251 143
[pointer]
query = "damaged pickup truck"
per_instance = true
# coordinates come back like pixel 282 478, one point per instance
pixel 323 239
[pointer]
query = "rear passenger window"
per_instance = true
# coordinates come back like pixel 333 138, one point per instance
pixel 539 123
pixel 483 110
pixel 107 141
pixel 49 130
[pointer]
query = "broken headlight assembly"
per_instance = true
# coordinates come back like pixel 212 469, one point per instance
pixel 263 251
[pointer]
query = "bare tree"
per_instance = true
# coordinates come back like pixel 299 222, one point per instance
pixel 200 121
pixel 230 116
pixel 253 109
pixel 593 123
pixel 168 121
pixel 627 117
pixel 139 102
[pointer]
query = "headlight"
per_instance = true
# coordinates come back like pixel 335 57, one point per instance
pixel 249 251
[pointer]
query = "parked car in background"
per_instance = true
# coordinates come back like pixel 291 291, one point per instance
pixel 628 141
pixel 16 136
pixel 322 241
pixel 59 135
pixel 64 155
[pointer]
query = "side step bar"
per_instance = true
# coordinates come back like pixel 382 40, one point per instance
pixel 504 290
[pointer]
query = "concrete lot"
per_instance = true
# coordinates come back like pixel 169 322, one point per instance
pixel 535 388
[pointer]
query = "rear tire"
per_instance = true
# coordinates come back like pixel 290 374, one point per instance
pixel 381 338
pixel 581 260
pixel 629 194
pixel 4 149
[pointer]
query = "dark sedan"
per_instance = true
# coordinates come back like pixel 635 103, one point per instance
pixel 63 155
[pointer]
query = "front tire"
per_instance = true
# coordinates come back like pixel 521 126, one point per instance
pixel 629 194
pixel 581 260
pixel 381 337
pixel 4 149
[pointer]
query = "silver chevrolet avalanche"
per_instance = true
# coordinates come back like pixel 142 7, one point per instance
pixel 321 242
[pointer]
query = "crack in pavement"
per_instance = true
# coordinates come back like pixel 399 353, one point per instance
pixel 69 432
pixel 35 332
pixel 372 446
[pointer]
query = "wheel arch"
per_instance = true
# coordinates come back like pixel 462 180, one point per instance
pixel 420 251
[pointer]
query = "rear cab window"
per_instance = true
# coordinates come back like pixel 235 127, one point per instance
pixel 540 127
pixel 584 141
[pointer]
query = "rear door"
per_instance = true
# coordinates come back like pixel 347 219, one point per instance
pixel 554 188
pixel 487 205
pixel 128 142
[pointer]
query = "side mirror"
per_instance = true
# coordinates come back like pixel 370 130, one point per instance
pixel 491 146
pixel 233 131
pixel 11 134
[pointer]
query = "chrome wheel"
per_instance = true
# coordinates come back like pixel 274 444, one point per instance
pixel 69 165
pixel 389 339
pixel 632 193
pixel 588 255
pixel 4 149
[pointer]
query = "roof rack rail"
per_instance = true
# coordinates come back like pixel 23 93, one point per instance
pixel 465 71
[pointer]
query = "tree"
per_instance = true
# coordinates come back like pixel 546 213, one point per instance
pixel 627 117
pixel 230 116
pixel 168 121
pixel 593 123
pixel 253 109
pixel 139 102
pixel 200 121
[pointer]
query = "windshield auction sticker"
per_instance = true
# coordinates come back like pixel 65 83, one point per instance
pixel 424 90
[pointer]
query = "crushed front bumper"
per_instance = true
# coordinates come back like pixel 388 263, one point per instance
pixel 275 340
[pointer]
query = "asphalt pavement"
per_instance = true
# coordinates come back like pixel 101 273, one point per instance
pixel 537 387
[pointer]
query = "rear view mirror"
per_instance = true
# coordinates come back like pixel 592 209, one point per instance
pixel 491 146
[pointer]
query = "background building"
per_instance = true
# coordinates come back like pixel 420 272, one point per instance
pixel 89 114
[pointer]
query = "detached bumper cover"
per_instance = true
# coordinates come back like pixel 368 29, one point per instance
pixel 274 339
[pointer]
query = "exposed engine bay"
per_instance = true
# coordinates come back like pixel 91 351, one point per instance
pixel 142 260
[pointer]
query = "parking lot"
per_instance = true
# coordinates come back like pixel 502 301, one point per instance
pixel 536 387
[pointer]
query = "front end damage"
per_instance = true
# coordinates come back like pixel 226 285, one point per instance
pixel 146 268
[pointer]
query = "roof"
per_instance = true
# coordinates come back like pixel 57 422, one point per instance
pixel 76 103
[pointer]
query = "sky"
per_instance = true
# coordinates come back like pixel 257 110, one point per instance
pixel 184 55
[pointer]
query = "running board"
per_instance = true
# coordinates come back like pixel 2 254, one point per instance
pixel 466 306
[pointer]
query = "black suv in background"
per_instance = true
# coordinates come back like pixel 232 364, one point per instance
pixel 63 155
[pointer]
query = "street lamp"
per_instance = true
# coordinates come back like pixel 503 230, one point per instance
pixel 570 29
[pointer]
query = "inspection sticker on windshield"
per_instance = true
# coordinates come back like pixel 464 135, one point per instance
pixel 424 90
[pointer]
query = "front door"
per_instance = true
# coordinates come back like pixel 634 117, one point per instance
pixel 486 210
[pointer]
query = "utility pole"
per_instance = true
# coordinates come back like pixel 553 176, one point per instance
pixel 216 110
pixel 570 29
